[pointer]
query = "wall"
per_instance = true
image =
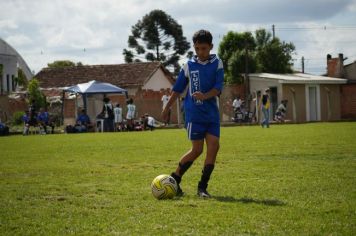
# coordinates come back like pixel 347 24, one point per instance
pixel 10 106
pixel 300 102
pixel 350 71
pixel 330 111
pixel 348 101
pixel 157 82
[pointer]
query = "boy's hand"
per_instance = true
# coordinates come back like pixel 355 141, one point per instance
pixel 199 96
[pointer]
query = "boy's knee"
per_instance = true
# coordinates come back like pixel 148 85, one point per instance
pixel 197 152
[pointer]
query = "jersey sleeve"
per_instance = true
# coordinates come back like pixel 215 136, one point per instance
pixel 219 77
pixel 182 80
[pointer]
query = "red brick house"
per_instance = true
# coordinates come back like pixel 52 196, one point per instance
pixel 145 82
pixel 336 68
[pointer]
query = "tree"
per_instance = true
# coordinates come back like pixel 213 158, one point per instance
pixel 35 94
pixel 234 49
pixel 273 56
pixel 60 64
pixel 157 37
pixel 21 79
pixel 260 52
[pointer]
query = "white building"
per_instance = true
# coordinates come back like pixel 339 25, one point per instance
pixel 10 61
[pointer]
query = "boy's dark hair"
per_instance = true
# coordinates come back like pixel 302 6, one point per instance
pixel 202 36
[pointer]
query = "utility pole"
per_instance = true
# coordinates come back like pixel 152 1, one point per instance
pixel 247 81
pixel 273 31
pixel 303 64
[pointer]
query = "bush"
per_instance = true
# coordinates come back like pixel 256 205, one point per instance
pixel 17 118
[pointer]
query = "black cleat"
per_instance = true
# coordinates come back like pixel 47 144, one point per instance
pixel 203 193
pixel 180 192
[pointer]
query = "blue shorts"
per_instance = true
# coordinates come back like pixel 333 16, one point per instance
pixel 198 131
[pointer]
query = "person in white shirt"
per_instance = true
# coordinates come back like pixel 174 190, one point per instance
pixel 149 122
pixel 164 100
pixel 118 117
pixel 236 104
pixel 281 111
pixel 130 116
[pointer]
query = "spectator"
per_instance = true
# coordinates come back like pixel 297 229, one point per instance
pixel 83 123
pixel 118 117
pixel 4 130
pixel 130 116
pixel 26 122
pixel 29 119
pixel 265 108
pixel 281 111
pixel 149 122
pixel 43 120
pixel 236 104
pixel 108 114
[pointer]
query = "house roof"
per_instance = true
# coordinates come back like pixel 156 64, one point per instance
pixel 350 64
pixel 122 75
pixel 298 78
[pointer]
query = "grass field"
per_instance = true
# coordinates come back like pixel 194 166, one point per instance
pixel 286 180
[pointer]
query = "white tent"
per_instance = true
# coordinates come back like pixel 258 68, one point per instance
pixel 93 87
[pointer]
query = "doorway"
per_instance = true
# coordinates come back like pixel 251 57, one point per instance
pixel 313 103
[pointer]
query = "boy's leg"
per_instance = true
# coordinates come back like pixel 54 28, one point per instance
pixel 212 143
pixel 187 160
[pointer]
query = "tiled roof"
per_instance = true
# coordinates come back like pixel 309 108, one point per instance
pixel 122 75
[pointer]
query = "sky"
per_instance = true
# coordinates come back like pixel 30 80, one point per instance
pixel 96 31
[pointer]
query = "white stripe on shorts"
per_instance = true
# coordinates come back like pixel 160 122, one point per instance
pixel 189 130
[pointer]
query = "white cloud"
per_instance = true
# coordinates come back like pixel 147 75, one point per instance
pixel 18 40
pixel 7 24
pixel 61 29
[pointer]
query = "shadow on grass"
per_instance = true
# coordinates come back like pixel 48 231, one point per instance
pixel 267 202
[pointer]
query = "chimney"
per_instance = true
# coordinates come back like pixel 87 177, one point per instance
pixel 335 66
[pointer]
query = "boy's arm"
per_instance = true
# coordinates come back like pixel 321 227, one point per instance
pixel 204 96
pixel 170 102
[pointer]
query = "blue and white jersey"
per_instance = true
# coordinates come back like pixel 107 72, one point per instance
pixel 201 76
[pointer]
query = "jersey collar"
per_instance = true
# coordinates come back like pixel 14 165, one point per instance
pixel 211 59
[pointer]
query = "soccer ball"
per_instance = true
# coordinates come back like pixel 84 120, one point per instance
pixel 164 187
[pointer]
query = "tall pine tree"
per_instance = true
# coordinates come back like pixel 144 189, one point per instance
pixel 157 37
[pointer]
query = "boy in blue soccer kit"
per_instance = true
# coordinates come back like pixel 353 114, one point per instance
pixel 204 75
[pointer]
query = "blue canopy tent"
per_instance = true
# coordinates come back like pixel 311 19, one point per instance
pixel 93 87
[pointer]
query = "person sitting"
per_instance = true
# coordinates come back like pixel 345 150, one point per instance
pixel 236 104
pixel 4 130
pixel 281 111
pixel 43 121
pixel 83 123
pixel 149 122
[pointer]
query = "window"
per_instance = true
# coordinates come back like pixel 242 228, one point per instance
pixel 13 82
pixel 7 83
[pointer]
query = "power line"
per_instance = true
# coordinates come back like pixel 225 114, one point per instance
pixel 351 27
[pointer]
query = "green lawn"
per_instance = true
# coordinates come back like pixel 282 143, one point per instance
pixel 286 180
